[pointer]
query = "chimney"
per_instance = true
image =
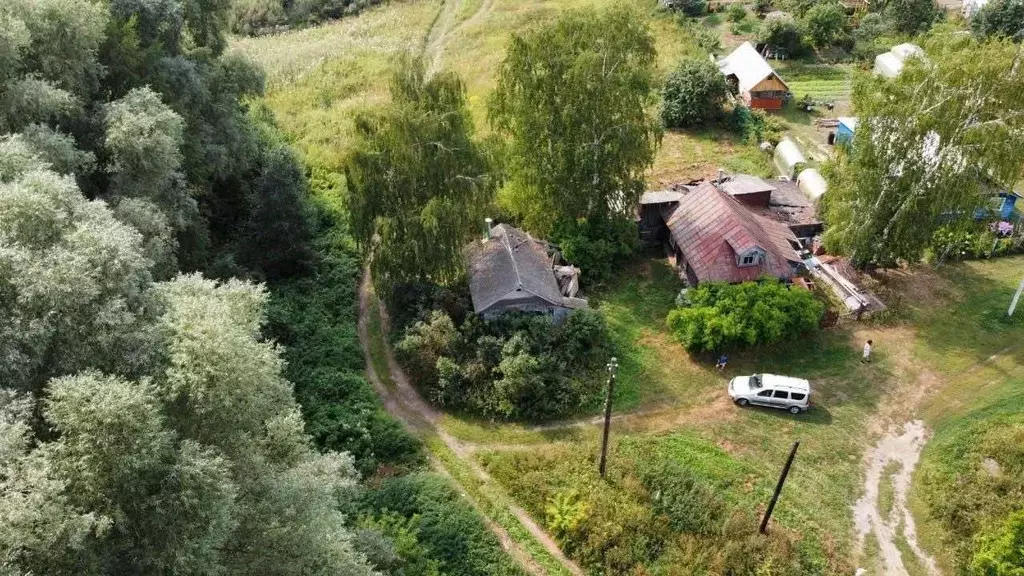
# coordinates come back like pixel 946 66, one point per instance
pixel 489 221
pixel 721 176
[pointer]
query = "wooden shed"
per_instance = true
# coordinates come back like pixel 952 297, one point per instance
pixel 753 78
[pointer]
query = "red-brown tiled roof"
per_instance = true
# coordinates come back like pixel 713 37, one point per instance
pixel 709 227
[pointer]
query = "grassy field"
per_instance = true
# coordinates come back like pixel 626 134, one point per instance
pixel 318 78
pixel 936 355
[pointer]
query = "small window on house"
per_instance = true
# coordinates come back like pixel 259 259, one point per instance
pixel 748 259
pixel 797 396
pixel 765 394
pixel 781 394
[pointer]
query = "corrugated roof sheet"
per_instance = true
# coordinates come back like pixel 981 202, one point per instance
pixel 709 227
pixel 739 184
pixel 511 260
pixel 660 196
pixel 747 66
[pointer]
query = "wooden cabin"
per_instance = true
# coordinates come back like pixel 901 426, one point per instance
pixel 753 79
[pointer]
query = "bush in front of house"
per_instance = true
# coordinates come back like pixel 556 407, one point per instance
pixel 597 246
pixel 518 366
pixel 755 126
pixel 781 33
pixel 694 93
pixel 723 316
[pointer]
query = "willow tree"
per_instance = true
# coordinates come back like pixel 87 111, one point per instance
pixel 418 183
pixel 930 145
pixel 575 98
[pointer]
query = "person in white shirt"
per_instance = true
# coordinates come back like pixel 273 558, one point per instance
pixel 867 352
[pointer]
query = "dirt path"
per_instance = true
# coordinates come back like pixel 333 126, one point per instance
pixel 404 403
pixel 905 450
pixel 444 26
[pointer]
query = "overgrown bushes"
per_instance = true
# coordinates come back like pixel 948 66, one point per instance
pixel 433 530
pixel 516 367
pixel 977 240
pixel 972 479
pixel 756 126
pixel 717 316
pixel 652 514
pixel 694 93
pixel 596 246
pixel 255 17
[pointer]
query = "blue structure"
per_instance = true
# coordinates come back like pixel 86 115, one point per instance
pixel 845 129
pixel 1009 199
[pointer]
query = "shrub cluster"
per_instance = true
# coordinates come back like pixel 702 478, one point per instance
pixel 693 94
pixel 717 316
pixel 756 126
pixel 598 247
pixel 516 367
pixel 431 529
pixel 984 240
pixel 255 17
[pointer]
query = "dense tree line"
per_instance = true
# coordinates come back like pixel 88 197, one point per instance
pixel 165 438
pixel 136 101
pixel 254 17
pixel 147 425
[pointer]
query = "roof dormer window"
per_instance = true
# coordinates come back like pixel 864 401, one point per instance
pixel 751 257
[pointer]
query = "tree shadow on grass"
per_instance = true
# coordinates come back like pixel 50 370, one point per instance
pixel 816 414
pixel 959 310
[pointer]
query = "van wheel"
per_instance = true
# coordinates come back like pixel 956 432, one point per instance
pixel 794 409
pixel 743 402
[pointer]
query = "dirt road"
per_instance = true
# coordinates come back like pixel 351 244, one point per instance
pixel 903 449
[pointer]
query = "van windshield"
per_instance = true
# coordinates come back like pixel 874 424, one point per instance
pixel 755 381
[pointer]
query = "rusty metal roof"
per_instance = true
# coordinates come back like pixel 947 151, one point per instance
pixel 710 228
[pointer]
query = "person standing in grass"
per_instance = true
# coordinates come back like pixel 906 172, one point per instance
pixel 867 352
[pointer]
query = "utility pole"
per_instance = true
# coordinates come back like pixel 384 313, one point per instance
pixel 1016 298
pixel 613 365
pixel 778 488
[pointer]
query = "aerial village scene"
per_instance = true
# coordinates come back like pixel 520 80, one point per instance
pixel 512 287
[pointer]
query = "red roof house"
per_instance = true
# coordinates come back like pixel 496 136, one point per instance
pixel 717 239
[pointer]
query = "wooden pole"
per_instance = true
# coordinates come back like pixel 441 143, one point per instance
pixel 778 488
pixel 1016 298
pixel 612 367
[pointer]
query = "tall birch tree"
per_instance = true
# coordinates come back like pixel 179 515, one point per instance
pixel 575 98
pixel 930 147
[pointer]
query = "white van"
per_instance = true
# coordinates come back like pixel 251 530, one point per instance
pixel 793 394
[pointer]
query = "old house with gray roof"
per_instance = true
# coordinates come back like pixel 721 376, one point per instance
pixel 511 270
